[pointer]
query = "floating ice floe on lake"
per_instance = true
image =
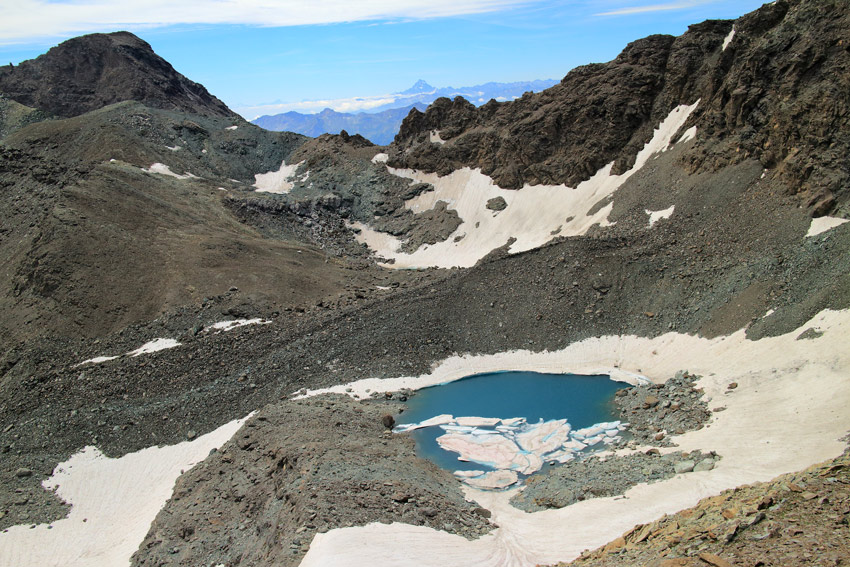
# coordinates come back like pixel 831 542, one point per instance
pixel 513 447
pixel 436 420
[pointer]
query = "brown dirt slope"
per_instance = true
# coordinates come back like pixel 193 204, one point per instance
pixel 92 243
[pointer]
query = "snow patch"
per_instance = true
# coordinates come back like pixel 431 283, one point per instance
pixel 172 148
pixel 224 326
pixel 147 348
pixel 380 158
pixel 728 39
pixel 655 216
pixel 155 345
pixel 822 224
pixel 162 169
pixel 113 503
pixel 533 213
pixel 279 182
pixel 96 360
pixel 434 137
pixel 231 127
pixel 689 134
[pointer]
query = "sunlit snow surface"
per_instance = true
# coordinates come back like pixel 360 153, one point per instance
pixel 512 446
pixel 113 502
pixel 728 39
pixel 822 224
pixel 162 169
pixel 224 326
pixel 155 345
pixel 655 216
pixel 280 181
pixel 535 214
pixel 147 348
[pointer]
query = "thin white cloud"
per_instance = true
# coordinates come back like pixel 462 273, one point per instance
pixel 354 104
pixel 28 20
pixel 667 6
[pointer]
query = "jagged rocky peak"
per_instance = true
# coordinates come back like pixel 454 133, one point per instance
pixel 764 83
pixel 599 113
pixel 420 86
pixel 93 71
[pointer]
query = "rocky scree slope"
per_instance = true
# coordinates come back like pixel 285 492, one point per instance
pixel 795 520
pixel 776 93
pixel 734 249
pixel 92 71
pixel 94 240
pixel 97 238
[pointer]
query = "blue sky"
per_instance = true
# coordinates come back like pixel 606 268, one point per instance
pixel 252 53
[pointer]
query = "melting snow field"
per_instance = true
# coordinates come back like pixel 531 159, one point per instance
pixel 113 502
pixel 280 181
pixel 534 215
pixel 434 137
pixel 788 412
pixel 157 345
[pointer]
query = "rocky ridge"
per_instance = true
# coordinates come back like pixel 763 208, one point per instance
pixel 771 95
pixel 295 485
pixel 92 71
pixel 733 255
pixel 795 520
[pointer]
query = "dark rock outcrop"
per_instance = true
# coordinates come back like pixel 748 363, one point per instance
pixel 777 93
pixel 597 114
pixel 92 71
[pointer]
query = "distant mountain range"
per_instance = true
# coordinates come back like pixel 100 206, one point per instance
pixel 379 127
pixel 380 124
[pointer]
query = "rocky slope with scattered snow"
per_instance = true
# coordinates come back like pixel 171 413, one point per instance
pixel 770 86
pixel 132 226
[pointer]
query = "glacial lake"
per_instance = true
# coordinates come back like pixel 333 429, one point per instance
pixel 570 413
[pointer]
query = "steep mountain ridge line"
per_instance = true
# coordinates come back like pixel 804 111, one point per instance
pixel 733 255
pixel 381 124
pixel 772 93
pixel 92 71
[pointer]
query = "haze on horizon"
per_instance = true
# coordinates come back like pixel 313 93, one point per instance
pixel 273 56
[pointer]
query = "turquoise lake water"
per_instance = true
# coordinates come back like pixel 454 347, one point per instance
pixel 581 400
